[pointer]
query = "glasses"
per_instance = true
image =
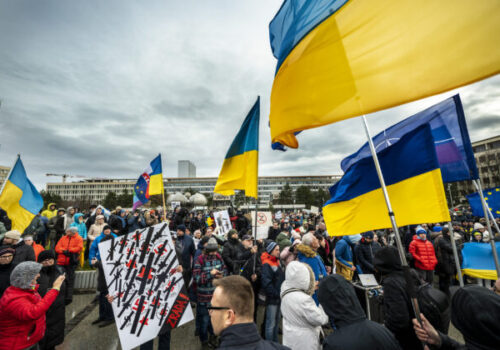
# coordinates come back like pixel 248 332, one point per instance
pixel 210 308
pixel 6 256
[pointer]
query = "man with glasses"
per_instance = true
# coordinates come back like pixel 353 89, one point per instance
pixel 6 266
pixel 231 314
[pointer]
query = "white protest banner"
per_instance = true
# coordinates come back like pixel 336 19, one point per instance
pixel 222 222
pixel 174 205
pixel 314 210
pixel 264 221
pixel 141 272
pixel 278 215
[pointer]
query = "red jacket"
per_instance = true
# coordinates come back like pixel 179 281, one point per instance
pixel 22 317
pixel 423 253
pixel 73 244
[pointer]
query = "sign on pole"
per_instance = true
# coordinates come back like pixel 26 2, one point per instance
pixel 222 222
pixel 141 272
pixel 264 221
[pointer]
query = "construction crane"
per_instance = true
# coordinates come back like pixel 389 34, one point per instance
pixel 64 176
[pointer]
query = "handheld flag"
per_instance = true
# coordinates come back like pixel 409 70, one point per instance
pixel 450 134
pixel 240 168
pixel 492 198
pixel 149 183
pixel 478 260
pixel 339 59
pixel 19 198
pixel 414 184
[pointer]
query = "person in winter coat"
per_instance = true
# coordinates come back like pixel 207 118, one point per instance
pixel 105 310
pixel 56 315
pixel 70 215
pixel 231 313
pixel 36 228
pixel 230 252
pixel 60 224
pixel 96 229
pixel 353 330
pixel 344 250
pixel 149 219
pixel 208 267
pixel 397 306
pixel 290 253
pixel 50 212
pixel 424 256
pixel 52 229
pixel 307 254
pixel 283 240
pixel 22 310
pixel 474 312
pixel 251 266
pixel 274 231
pixel 24 252
pixel 135 221
pixel 118 222
pixel 6 267
pixel 446 267
pixel 68 251
pixel 365 251
pixel 302 318
pixel 80 225
pixel 185 244
pixel 272 278
pixel 37 248
pixel 484 233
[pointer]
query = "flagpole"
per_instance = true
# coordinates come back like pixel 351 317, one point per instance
pixel 163 198
pixel 479 188
pixel 455 255
pixel 10 172
pixel 255 235
pixel 402 256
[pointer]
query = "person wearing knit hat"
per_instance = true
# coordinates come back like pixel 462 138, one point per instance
pixel 6 267
pixel 207 267
pixel 17 331
pixel 272 278
pixel 24 252
pixel 484 233
pixel 56 315
pixel 365 252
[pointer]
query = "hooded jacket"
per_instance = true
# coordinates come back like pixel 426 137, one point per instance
pixel 94 248
pixel 365 252
pixel 302 318
pixel 244 336
pixel 96 229
pixel 343 251
pixel 70 245
pixel 480 328
pixel 354 331
pixel 69 218
pixel 22 310
pixel 283 241
pixel 423 253
pixel 82 229
pixel 50 213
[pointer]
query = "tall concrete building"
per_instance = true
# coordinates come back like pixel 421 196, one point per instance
pixel 487 155
pixel 4 172
pixel 186 168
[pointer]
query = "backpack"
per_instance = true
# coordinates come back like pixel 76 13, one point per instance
pixel 435 305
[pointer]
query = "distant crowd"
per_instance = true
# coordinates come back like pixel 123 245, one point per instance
pixel 305 280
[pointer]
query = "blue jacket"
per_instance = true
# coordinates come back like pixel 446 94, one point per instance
pixel 82 228
pixel 94 251
pixel 135 223
pixel 308 256
pixel 343 251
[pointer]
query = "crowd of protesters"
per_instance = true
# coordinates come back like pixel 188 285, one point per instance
pixel 302 276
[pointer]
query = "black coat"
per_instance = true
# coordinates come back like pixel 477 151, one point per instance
pixel 244 336
pixel 273 233
pixel 55 316
pixel 248 268
pixel 23 253
pixel 5 271
pixel 364 255
pixel 230 255
pixel 444 254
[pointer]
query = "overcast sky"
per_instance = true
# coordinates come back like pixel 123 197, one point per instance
pixel 99 88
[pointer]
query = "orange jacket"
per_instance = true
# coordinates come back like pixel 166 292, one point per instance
pixel 38 249
pixel 73 244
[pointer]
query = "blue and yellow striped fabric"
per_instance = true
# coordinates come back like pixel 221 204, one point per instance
pixel 19 198
pixel 413 178
pixel 478 260
pixel 240 168
pixel 339 59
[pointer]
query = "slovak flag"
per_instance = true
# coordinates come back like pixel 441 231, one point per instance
pixel 149 183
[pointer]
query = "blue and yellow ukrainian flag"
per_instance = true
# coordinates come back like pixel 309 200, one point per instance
pixel 19 198
pixel 413 178
pixel 478 260
pixel 339 59
pixel 240 169
pixel 149 183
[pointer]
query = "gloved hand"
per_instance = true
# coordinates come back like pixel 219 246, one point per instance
pixel 66 252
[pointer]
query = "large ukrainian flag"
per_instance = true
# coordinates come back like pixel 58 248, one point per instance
pixel 240 168
pixel 339 59
pixel 413 178
pixel 19 198
pixel 478 260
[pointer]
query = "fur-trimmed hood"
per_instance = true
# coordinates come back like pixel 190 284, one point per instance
pixel 306 250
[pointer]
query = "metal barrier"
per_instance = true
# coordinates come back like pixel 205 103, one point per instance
pixel 86 279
